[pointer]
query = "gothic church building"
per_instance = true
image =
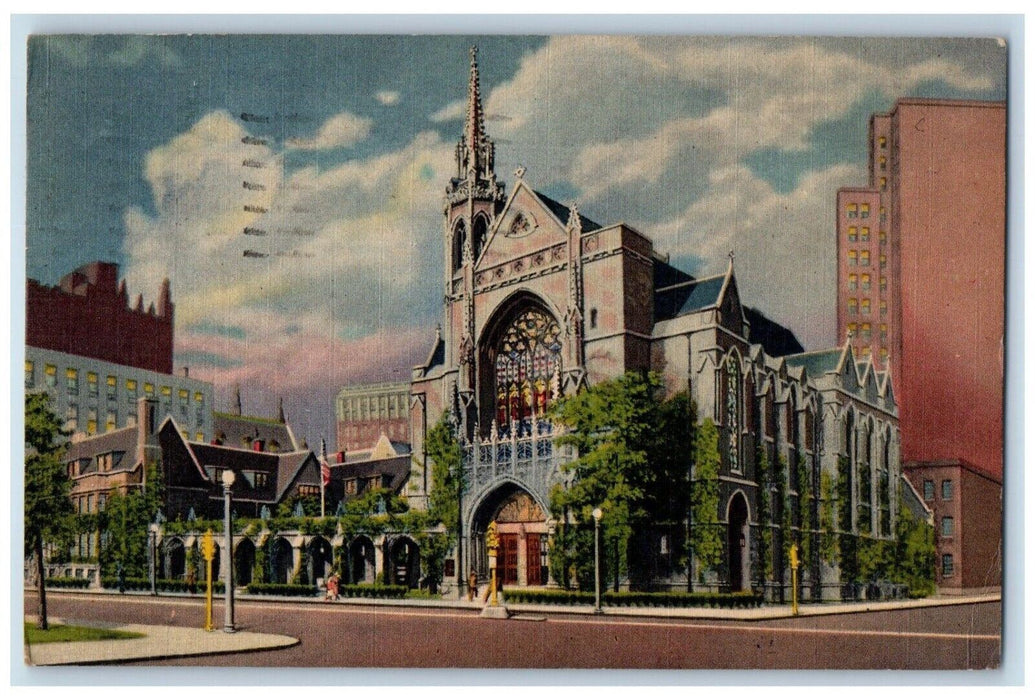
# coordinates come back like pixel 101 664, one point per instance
pixel 541 301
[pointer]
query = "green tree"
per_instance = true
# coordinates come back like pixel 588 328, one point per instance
pixel 705 532
pixel 48 508
pixel 632 446
pixel 806 497
pixel 914 554
pixel 847 541
pixel 765 513
pixel 828 545
pixel 443 451
pixel 125 520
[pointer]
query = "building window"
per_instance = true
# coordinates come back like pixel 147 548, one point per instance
pixel 852 328
pixel 883 161
pixel 853 257
pixel 733 400
pixel 884 332
pixel 884 183
pixel 350 487
pixel 866 331
pixel 91 421
pixel 928 490
pixel 184 397
pixel 112 421
pixel 305 490
pixel 30 375
pixel 865 307
pixel 865 235
pixel 261 479
pixel 883 283
pixel 883 355
pixel 947 490
pixel 853 282
pixel 864 211
pixel 149 390
pixel 89 505
pixel 883 308
pixel 948 526
pixel 883 237
pixel 131 420
pixel 948 566
pixel 102 500
pixel 853 211
pixel 866 283
pixel 528 362
pixel 853 234
pixel 72 380
pixel 131 390
pixel 112 388
pixel 199 437
pixel 91 383
pixel 50 371
pixel 864 352
pixel 883 141
pixel 864 258
pixel 853 305
pixel 72 417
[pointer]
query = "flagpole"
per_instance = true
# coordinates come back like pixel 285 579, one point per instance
pixel 323 465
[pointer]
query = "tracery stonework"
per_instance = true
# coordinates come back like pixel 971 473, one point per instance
pixel 520 508
pixel 527 363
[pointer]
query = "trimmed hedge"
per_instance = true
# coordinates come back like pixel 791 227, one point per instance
pixel 281 589
pixel 636 599
pixel 67 582
pixel 372 591
pixel 163 584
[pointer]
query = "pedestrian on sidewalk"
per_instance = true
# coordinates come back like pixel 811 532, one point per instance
pixel 332 587
pixel 192 581
pixel 472 585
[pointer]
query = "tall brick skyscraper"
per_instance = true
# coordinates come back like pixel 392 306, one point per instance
pixel 921 273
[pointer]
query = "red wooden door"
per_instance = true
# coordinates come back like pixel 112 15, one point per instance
pixel 533 567
pixel 508 564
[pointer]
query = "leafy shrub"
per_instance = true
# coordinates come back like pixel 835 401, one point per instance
pixel 162 585
pixel 637 599
pixel 373 591
pixel 291 589
pixel 67 582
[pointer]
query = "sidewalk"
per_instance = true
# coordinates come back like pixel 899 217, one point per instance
pixel 159 642
pixel 766 612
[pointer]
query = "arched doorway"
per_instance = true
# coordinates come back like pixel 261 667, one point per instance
pixel 361 560
pixel 321 556
pixel 244 562
pixel 283 561
pixel 521 522
pixel 405 560
pixel 175 559
pixel 738 546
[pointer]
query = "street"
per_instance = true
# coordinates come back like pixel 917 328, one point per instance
pixel 338 635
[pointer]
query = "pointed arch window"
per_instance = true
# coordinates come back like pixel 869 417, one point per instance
pixel 528 367
pixel 733 402
pixel 459 242
pixel 480 235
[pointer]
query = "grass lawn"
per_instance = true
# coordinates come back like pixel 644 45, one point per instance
pixel 73 633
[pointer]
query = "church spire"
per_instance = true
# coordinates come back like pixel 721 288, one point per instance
pixel 475 152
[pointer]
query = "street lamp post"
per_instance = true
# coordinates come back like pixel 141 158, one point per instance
pixel 228 606
pixel 597 514
pixel 152 555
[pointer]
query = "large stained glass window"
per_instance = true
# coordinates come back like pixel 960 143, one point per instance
pixel 733 409
pixel 528 367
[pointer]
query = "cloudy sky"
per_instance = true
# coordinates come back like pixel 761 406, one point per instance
pixel 291 187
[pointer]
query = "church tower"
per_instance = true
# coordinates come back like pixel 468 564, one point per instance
pixel 473 199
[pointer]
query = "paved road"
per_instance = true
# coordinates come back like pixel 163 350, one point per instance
pixel 962 636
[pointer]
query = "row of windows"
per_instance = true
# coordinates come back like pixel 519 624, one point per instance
pixel 864 352
pixel 863 330
pixel 862 257
pixel 946 490
pixel 854 282
pixel 856 210
pixel 369 407
pixel 111 385
pixel 856 306
pixel 862 235
pixel 948 566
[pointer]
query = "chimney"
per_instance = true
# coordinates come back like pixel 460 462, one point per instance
pixel 339 456
pixel 147 419
pixel 258 445
pixel 186 372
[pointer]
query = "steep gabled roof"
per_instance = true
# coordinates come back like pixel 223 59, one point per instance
pixel 396 468
pixel 687 297
pixel 562 212
pixel 235 429
pixel 289 469
pixel 121 442
pixel 817 362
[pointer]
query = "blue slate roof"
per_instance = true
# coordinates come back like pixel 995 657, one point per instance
pixel 687 297
pixel 562 212
pixel 817 362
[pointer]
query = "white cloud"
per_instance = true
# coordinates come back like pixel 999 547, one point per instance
pixel 338 293
pixel 387 97
pixel 453 110
pixel 339 131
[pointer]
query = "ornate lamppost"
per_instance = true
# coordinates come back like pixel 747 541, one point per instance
pixel 597 515
pixel 152 555
pixel 228 606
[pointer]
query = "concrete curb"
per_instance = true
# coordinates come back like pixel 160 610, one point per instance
pixel 158 642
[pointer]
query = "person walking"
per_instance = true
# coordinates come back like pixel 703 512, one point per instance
pixel 332 587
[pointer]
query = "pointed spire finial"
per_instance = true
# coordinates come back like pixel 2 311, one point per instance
pixel 280 410
pixel 574 220
pixel 165 306
pixel 520 172
pixel 236 408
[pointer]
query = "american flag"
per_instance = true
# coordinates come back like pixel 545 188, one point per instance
pixel 325 467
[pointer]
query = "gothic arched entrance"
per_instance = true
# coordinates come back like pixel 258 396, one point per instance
pixel 738 546
pixel 361 560
pixel 522 558
pixel 405 563
pixel 244 562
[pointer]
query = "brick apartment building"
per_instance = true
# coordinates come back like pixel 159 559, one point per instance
pixel 921 279
pixel 365 412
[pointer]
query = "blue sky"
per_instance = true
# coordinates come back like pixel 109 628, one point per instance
pixel 137 148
